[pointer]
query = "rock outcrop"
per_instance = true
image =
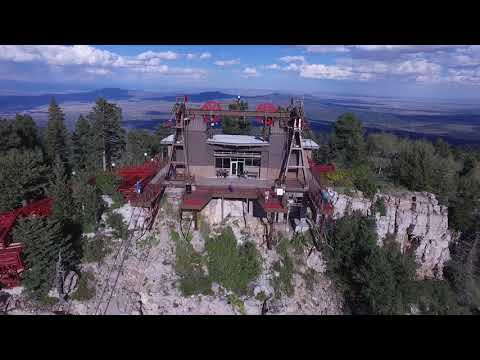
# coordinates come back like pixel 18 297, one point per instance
pixel 414 219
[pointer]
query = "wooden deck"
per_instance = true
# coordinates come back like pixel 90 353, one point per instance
pixel 201 196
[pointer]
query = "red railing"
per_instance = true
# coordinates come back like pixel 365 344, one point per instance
pixel 7 220
pixel 11 264
pixel 144 174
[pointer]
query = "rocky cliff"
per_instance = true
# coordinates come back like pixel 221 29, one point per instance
pixel 414 219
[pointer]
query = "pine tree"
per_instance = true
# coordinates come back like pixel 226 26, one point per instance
pixel 61 193
pixel 56 135
pixel 82 144
pixel 88 201
pixel 108 134
pixel 20 133
pixel 235 126
pixel 27 130
pixel 347 141
pixel 42 241
pixel 23 176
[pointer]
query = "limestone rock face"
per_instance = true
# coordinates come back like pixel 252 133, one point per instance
pixel 414 219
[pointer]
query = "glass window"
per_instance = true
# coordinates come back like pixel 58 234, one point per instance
pixel 256 162
pixel 248 162
pixel 226 163
pixel 218 162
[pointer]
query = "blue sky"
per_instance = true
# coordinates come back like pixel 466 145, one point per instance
pixel 390 70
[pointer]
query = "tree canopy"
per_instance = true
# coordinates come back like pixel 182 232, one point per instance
pixel 57 138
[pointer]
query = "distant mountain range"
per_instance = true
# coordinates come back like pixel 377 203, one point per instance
pixel 217 95
pixel 13 103
pixel 10 103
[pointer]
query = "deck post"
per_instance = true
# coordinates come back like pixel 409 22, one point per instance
pixel 222 208
pixel 286 222
pixel 195 219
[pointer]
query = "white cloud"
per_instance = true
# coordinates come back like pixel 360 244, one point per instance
pixel 165 55
pixel 408 48
pixel 250 72
pixel 325 48
pixel 227 62
pixel 59 55
pixel 289 59
pixel 320 71
pixel 88 59
pixel 271 67
pixel 98 71
pixel 202 56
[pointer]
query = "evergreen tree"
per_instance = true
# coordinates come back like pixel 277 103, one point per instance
pixel 56 135
pixel 347 141
pixel 108 134
pixel 236 126
pixel 81 144
pixel 375 280
pixel 140 142
pixel 382 149
pixel 42 241
pixel 23 176
pixel 414 167
pixel 20 133
pixel 61 193
pixel 88 201
pixel 463 270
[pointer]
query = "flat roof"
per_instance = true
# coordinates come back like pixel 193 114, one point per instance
pixel 168 140
pixel 309 144
pixel 241 140
pixel 237 140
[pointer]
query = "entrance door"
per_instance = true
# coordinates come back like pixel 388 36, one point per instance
pixel 240 168
pixel 233 168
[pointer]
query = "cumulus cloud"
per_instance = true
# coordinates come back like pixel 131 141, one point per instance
pixel 411 68
pixel 325 48
pixel 320 71
pixel 250 72
pixel 202 56
pixel 227 62
pixel 165 55
pixel 271 67
pixel 290 59
pixel 88 59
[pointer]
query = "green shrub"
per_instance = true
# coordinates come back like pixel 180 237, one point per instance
pixel 88 228
pixel 282 284
pixel 261 296
pixel 237 303
pixel 436 297
pixel 116 222
pixel 118 200
pixel 95 249
pixel 340 178
pixel 86 287
pixel 379 206
pixel 231 266
pixel 107 183
pixel 48 300
pixel 188 266
pixel 300 241
pixel 364 180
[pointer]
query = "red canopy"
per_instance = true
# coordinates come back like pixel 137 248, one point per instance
pixel 266 107
pixel 211 105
